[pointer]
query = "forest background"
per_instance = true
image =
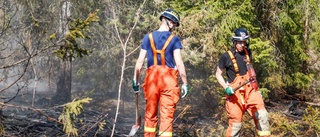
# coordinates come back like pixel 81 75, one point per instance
pixel 65 50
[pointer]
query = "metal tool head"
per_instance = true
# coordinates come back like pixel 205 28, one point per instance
pixel 135 127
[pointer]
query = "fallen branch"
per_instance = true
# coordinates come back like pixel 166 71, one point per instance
pixel 95 124
pixel 292 116
pixel 313 104
pixel 33 109
pixel 179 116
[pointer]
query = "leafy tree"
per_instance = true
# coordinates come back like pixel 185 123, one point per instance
pixel 70 49
pixel 207 28
pixel 284 40
pixel 288 27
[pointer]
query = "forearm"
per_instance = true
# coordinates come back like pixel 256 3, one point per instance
pixel 221 81
pixel 137 71
pixel 182 73
pixel 139 64
pixel 180 66
pixel 220 78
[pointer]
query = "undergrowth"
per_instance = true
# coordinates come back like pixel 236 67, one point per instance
pixel 308 125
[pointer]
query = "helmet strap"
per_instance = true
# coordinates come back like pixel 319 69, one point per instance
pixel 170 28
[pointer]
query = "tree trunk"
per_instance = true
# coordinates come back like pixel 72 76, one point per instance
pixel 305 41
pixel 63 94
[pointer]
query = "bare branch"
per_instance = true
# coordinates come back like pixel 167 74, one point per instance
pixel 25 70
pixel 124 57
pixel 18 91
pixel 25 59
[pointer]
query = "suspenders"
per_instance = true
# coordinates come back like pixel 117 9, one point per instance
pixel 161 52
pixel 235 65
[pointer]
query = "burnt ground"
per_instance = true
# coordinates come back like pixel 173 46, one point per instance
pixel 203 118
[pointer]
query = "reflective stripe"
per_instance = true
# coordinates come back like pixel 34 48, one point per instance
pixel 149 129
pixel 264 133
pixel 240 37
pixel 167 134
pixel 172 13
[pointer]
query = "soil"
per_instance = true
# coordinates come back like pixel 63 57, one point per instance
pixel 204 118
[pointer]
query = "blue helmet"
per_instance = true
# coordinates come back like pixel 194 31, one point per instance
pixel 171 15
pixel 241 34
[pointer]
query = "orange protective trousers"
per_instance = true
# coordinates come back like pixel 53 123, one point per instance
pixel 161 93
pixel 246 99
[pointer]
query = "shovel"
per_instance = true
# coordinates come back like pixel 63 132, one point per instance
pixel 241 85
pixel 135 127
pixel 242 94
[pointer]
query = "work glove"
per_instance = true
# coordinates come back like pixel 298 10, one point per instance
pixel 229 90
pixel 184 90
pixel 135 86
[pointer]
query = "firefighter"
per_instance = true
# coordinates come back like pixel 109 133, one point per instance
pixel 161 89
pixel 236 63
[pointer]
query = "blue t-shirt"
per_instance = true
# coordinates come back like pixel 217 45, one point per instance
pixel 159 38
